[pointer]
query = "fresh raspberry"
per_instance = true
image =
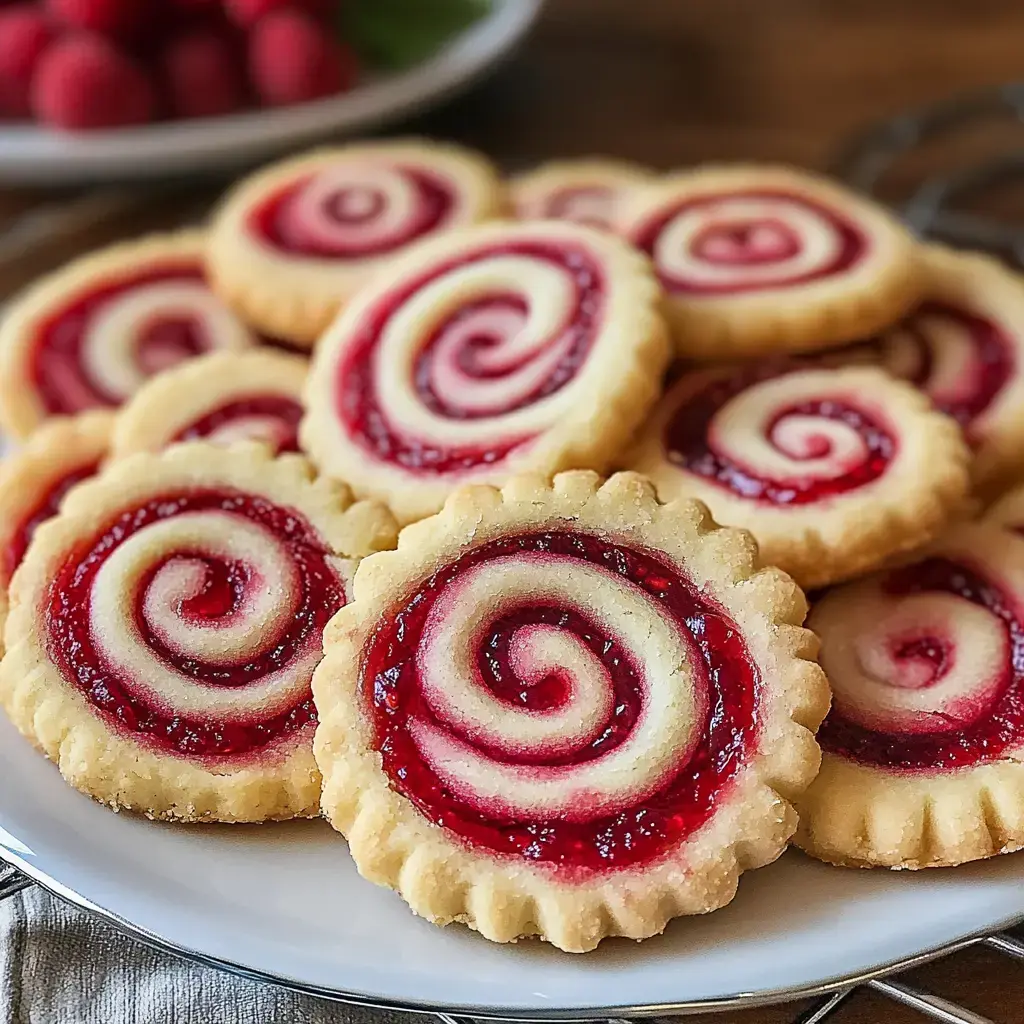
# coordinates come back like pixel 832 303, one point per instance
pixel 247 12
pixel 293 58
pixel 25 32
pixel 84 82
pixel 202 75
pixel 116 19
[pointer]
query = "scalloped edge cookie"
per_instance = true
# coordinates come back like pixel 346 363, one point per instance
pixel 856 815
pixel 111 766
pixel 21 411
pixel 296 297
pixel 618 382
pixel 171 401
pixel 802 318
pixel 443 880
pixel 925 485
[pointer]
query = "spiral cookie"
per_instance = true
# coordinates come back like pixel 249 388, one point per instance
pixel 833 471
pixel 586 191
pixel 90 334
pixel 500 348
pixel 922 750
pixel 33 482
pixel 220 398
pixel 292 243
pixel 964 347
pixel 566 710
pixel 767 259
pixel 164 628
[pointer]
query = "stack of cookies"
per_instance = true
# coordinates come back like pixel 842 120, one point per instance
pixel 559 702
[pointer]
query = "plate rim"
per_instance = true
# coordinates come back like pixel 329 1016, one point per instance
pixel 733 1001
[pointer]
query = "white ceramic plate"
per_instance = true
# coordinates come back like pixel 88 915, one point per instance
pixel 284 902
pixel 36 156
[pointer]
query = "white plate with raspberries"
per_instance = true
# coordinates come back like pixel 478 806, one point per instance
pixel 113 90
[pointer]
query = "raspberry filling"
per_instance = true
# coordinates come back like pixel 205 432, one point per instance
pixel 87 652
pixel 639 828
pixel 58 363
pixel 46 508
pixel 998 724
pixel 274 418
pixel 748 243
pixel 743 242
pixel 968 389
pixel 691 443
pixel 350 223
pixel 465 356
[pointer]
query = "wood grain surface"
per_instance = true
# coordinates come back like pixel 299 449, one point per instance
pixel 674 82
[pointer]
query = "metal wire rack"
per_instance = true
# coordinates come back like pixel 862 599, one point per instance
pixel 939 200
pixel 928 1004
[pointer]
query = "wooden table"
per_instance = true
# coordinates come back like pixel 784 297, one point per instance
pixel 670 82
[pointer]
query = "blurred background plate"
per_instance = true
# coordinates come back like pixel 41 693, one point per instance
pixel 30 155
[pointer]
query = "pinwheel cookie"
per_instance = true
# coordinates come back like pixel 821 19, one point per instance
pixel 90 334
pixel 832 470
pixel 164 628
pixel 500 348
pixel 923 750
pixel 757 260
pixel 292 243
pixel 221 398
pixel 587 191
pixel 568 711
pixel 34 481
pixel 964 347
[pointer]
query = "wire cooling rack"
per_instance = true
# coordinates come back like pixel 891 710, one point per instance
pixel 972 147
pixel 928 1004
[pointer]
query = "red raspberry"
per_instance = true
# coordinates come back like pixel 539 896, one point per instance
pixel 247 12
pixel 201 74
pixel 25 32
pixel 293 58
pixel 118 19
pixel 84 82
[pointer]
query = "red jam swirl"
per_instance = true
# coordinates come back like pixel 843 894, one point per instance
pixel 279 408
pixel 990 366
pixel 359 404
pixel 71 639
pixel 999 726
pixel 57 364
pixel 276 223
pixel 392 688
pixel 740 242
pixel 46 508
pixel 688 442
pixel 747 244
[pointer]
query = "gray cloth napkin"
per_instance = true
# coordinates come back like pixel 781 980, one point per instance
pixel 61 966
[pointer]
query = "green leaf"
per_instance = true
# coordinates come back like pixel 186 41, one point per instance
pixel 398 33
